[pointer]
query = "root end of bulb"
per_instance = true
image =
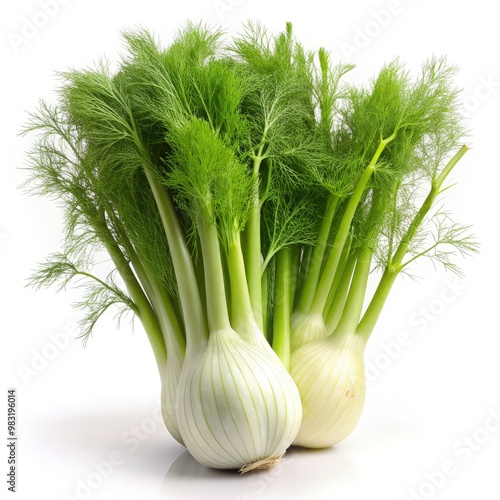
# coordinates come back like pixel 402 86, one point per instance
pixel 265 464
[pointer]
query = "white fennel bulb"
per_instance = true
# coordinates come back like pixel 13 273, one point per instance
pixel 306 328
pixel 238 408
pixel 329 374
pixel 169 390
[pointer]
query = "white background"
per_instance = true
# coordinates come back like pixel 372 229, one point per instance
pixel 81 407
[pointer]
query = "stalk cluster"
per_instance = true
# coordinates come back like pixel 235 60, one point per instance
pixel 244 195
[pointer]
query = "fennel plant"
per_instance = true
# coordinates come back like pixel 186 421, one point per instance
pixel 244 194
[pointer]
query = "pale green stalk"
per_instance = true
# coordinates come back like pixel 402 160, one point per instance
pixel 241 307
pixel 357 290
pixel 396 265
pixel 282 306
pixel 218 315
pixel 253 255
pixel 339 295
pixel 318 253
pixel 194 318
pixel 328 275
pixel 145 312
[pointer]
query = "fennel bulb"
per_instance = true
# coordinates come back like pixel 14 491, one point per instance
pixel 238 408
pixel 329 374
pixel 306 328
pixel 169 390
